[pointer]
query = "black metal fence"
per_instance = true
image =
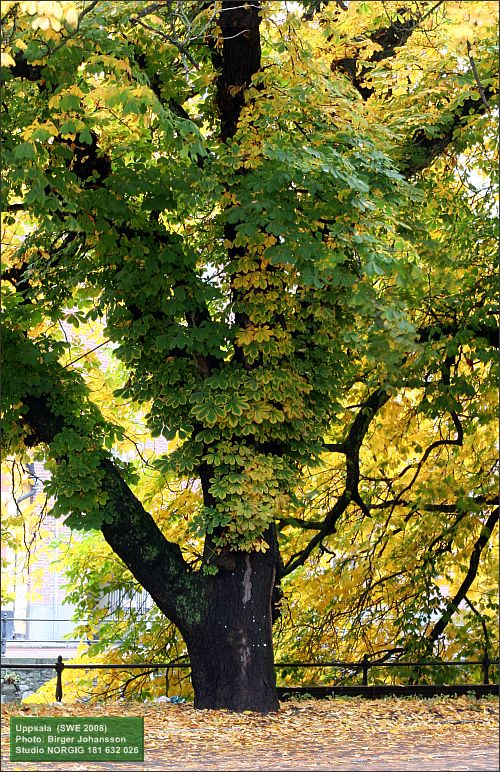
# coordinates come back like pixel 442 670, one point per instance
pixel 362 667
pixel 352 669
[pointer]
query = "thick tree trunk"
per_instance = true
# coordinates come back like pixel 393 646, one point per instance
pixel 231 652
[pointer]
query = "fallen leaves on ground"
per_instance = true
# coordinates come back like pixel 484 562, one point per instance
pixel 342 733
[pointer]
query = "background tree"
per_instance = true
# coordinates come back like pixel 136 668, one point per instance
pixel 283 220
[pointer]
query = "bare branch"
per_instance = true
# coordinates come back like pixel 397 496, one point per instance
pixel 86 353
pixel 351 447
pixel 453 604
pixel 430 11
pixel 334 447
pixel 168 39
pixel 313 525
pixel 476 76
pixel 150 9
pixel 441 507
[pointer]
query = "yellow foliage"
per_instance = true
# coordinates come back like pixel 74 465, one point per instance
pixel 50 15
pixel 6 59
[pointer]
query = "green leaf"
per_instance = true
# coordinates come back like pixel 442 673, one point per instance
pixel 24 151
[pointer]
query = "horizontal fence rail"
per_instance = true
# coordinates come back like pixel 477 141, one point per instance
pixel 363 666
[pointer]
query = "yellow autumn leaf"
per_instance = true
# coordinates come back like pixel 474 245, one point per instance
pixel 55 24
pixel 245 337
pixel 30 8
pixel 41 22
pixel 6 60
pixel 71 16
pixel 74 90
pixel 55 10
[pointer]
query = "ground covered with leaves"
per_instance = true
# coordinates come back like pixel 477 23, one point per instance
pixel 342 733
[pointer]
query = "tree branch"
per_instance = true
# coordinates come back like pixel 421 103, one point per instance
pixel 351 447
pixel 476 76
pixel 483 625
pixel 296 522
pixel 453 604
pixel 334 447
pixel 421 149
pixel 156 563
pixel 388 38
pixel 168 39
pixel 440 331
pixel 443 507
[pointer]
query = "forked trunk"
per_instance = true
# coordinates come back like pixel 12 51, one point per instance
pixel 231 652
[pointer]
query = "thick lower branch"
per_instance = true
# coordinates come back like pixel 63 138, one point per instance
pixel 156 563
pixel 421 149
pixel 389 38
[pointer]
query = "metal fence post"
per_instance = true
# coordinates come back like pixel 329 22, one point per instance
pixel 59 668
pixel 486 669
pixel 4 633
pixel 365 666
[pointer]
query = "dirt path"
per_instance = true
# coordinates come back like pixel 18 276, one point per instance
pixel 343 734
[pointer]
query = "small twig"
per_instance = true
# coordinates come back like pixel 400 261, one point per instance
pixel 86 10
pixel 430 11
pixel 150 9
pixel 85 354
pixel 63 331
pixel 11 12
pixel 476 76
pixel 483 625
pixel 168 39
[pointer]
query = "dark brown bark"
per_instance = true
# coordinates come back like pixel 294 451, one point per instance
pixel 231 649
pixel 389 38
pixel 231 652
pixel 156 563
pixel 421 150
pixel 240 60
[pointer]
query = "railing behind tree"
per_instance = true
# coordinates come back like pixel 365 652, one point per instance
pixel 354 667
pixel 365 665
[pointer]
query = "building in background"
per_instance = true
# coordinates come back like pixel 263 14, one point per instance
pixel 32 581
pixel 35 613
